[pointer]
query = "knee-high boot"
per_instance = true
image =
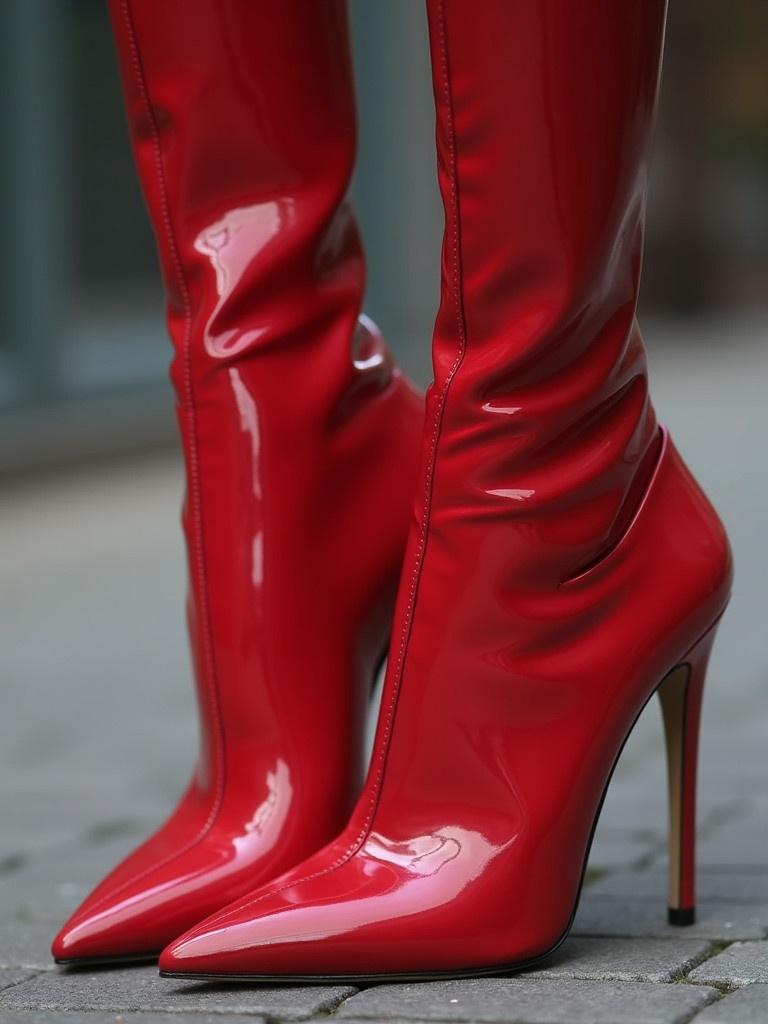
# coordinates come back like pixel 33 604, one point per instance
pixel 564 564
pixel 300 442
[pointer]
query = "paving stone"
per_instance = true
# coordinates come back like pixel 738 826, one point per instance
pixel 747 827
pixel 47 890
pixel 714 809
pixel 141 988
pixel 734 849
pixel 44 901
pixel 618 959
pixel 748 780
pixel 748 1005
pixel 529 1001
pixel 25 944
pixel 721 885
pixel 616 851
pixel 648 917
pixel 12 976
pixel 116 1017
pixel 71 783
pixel 739 964
pixel 42 821
pixel 740 841
pixel 635 808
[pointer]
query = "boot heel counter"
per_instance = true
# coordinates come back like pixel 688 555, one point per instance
pixel 708 538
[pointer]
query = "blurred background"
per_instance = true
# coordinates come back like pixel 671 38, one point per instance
pixel 81 333
pixel 97 727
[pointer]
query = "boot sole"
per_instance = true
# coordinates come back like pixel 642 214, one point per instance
pixel 109 961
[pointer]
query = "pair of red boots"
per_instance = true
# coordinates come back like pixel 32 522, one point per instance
pixel 557 567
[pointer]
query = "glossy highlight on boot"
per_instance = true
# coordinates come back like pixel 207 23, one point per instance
pixel 563 563
pixel 300 441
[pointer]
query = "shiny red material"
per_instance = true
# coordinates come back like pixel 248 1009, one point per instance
pixel 300 441
pixel 563 559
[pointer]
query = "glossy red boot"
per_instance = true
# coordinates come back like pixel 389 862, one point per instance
pixel 564 562
pixel 300 440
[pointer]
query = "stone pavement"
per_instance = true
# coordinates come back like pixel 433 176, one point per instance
pixel 97 730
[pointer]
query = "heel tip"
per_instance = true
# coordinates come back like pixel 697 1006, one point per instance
pixel 680 916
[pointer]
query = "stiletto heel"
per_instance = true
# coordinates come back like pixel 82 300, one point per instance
pixel 680 695
pixel 561 559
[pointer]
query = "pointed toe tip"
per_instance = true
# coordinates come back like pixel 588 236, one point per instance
pixel 60 947
pixel 83 941
pixel 203 952
pixel 168 962
pixel 75 942
pixel 188 953
pixel 184 958
pixel 68 950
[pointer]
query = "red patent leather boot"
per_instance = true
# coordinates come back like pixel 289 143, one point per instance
pixel 300 440
pixel 564 563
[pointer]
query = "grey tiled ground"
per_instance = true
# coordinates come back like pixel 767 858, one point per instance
pixel 747 1006
pixel 743 963
pixel 534 1001
pixel 97 732
pixel 110 1017
pixel 141 988
pixel 723 921
pixel 13 976
pixel 713 886
pixel 25 942
pixel 624 959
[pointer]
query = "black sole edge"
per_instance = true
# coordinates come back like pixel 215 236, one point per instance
pixel 108 961
pixel 352 979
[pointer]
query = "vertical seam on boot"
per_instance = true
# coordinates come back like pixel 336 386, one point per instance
pixel 457 276
pixel 196 501
pixel 439 412
pixel 189 397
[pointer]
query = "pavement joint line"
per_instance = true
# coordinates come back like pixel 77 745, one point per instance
pixel 36 972
pixel 716 998
pixel 723 987
pixel 723 814
pixel 697 961
pixel 716 947
pixel 648 859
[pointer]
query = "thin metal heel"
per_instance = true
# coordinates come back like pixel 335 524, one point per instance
pixel 680 695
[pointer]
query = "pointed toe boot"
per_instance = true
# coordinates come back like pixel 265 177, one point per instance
pixel 300 441
pixel 563 567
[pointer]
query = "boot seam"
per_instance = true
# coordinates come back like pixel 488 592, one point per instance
pixel 459 313
pixel 195 495
pixel 365 830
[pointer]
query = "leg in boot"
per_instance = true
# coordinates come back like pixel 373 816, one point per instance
pixel 300 442
pixel 563 562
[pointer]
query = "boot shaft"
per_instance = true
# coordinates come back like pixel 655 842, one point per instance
pixel 295 423
pixel 564 558
pixel 563 561
pixel 300 441
pixel 243 130
pixel 544 129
